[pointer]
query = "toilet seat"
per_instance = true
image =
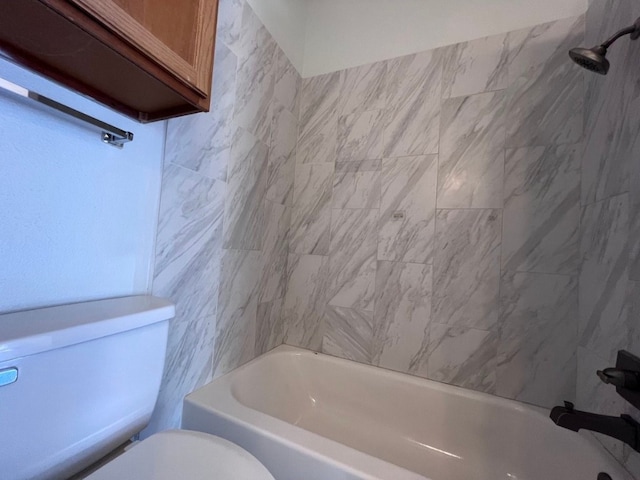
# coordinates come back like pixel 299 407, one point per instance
pixel 184 455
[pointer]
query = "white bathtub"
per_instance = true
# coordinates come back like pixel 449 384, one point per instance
pixel 313 417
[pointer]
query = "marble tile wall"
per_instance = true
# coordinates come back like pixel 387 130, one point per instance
pixel 466 214
pixel 436 214
pixel 226 209
pixel 610 216
pixel 472 215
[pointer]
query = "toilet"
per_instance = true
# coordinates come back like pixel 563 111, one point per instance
pixel 179 454
pixel 78 381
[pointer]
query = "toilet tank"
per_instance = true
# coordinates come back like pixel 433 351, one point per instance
pixel 76 381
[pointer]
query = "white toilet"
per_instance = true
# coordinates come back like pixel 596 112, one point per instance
pixel 77 381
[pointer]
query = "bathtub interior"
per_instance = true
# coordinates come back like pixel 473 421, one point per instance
pixel 435 430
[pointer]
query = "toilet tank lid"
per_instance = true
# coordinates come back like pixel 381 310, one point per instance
pixel 34 331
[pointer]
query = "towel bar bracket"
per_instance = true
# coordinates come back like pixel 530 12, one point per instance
pixel 116 140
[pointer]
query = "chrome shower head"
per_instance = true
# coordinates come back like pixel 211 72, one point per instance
pixel 595 59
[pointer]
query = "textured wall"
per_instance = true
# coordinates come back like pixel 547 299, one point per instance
pixel 78 217
pixel 436 214
pixel 225 213
pixel 610 217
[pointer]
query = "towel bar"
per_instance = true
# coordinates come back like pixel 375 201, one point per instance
pixel 110 134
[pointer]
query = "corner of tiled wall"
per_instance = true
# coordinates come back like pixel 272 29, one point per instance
pixel 225 212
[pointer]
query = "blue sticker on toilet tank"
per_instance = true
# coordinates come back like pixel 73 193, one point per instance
pixel 8 376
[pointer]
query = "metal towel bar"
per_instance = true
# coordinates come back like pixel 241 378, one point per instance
pixel 110 134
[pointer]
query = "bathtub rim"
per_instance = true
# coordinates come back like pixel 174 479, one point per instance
pixel 339 454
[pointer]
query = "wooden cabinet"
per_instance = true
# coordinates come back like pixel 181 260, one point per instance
pixel 149 59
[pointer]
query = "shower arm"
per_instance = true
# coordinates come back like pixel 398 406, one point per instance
pixel 633 30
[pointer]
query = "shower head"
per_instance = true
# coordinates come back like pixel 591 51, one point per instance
pixel 595 59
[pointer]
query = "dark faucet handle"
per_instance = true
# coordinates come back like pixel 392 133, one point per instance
pixel 626 379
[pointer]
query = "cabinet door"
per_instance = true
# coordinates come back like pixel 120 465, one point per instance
pixel 177 34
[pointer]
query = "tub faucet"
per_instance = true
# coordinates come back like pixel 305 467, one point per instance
pixel 620 378
pixel 623 428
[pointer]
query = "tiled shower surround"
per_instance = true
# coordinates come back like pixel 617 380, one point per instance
pixel 436 214
pixel 464 214
pixel 469 214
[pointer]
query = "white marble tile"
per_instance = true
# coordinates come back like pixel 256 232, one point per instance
pixel 348 334
pixel 402 317
pixel 189 242
pixel 318 137
pixel 275 247
pixel 471 163
pixel 237 309
pixel 476 66
pixel 188 366
pixel 634 230
pixel 531 49
pixel 352 259
pixel 609 227
pixel 364 88
pixel 625 142
pixel 542 209
pixel 249 35
pixel 305 301
pixel 246 185
pixel 282 156
pixel 202 142
pixel 611 119
pixel 414 85
pixel 463 356
pixel 287 84
pixel 603 276
pixel 632 461
pixel 311 218
pixel 312 184
pixel 254 87
pixel 466 273
pixel 633 317
pixel 269 326
pixel 230 22
pixel 310 231
pixel 546 92
pixel 407 209
pixel 357 185
pixel 360 136
pixel 538 338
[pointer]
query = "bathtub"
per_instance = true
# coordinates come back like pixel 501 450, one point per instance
pixel 309 416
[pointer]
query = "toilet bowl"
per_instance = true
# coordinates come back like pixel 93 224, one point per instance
pixel 183 455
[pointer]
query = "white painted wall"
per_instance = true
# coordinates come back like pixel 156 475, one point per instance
pixel 322 36
pixel 346 33
pixel 77 217
pixel 286 20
